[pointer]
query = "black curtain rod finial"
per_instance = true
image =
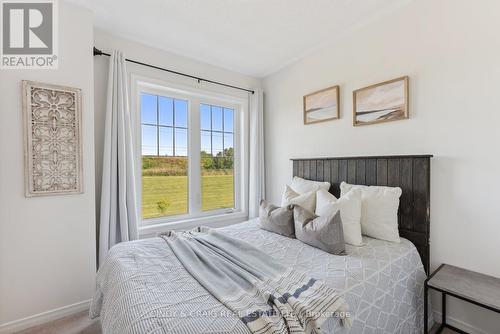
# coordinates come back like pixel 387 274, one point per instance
pixel 98 52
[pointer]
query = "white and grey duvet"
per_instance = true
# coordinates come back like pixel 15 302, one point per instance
pixel 143 288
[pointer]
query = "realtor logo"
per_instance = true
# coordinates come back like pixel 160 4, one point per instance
pixel 29 34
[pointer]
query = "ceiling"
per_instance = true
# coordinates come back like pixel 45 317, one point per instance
pixel 253 37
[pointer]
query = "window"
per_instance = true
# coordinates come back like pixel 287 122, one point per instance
pixel 191 154
pixel 164 122
pixel 217 151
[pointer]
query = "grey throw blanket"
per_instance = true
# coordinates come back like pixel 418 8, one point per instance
pixel 265 295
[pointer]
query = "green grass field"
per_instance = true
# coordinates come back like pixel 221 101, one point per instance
pixel 217 192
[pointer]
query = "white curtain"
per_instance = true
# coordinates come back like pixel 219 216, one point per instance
pixel 118 220
pixel 256 177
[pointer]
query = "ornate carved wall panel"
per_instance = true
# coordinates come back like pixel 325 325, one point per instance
pixel 53 157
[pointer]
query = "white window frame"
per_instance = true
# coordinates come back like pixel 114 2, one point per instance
pixel 195 97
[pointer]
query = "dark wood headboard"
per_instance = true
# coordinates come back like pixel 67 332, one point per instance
pixel 409 172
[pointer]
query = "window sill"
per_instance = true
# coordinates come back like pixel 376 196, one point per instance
pixel 148 231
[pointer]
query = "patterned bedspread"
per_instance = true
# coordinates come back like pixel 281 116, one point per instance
pixel 143 288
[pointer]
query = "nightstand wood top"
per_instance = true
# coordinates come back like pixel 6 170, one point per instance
pixel 480 288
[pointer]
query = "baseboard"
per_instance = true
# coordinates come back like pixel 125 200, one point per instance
pixel 40 318
pixel 457 323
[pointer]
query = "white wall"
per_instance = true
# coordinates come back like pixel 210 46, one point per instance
pixel 47 244
pixel 451 51
pixel 107 42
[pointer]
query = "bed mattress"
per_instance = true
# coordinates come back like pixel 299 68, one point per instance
pixel 143 288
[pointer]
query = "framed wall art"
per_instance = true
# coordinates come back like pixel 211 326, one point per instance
pixel 53 139
pixel 383 102
pixel 322 105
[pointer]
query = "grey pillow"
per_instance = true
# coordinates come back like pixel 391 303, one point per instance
pixel 324 232
pixel 275 219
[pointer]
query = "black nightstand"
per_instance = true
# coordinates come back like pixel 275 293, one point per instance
pixel 473 287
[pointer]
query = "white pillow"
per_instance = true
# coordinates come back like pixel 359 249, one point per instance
pixel 307 200
pixel 379 210
pixel 302 186
pixel 350 212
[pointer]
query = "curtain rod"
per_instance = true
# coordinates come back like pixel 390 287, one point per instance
pixel 98 52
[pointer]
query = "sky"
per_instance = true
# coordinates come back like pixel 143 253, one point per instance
pixel 173 113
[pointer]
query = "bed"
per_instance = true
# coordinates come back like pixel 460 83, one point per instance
pixel 143 288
